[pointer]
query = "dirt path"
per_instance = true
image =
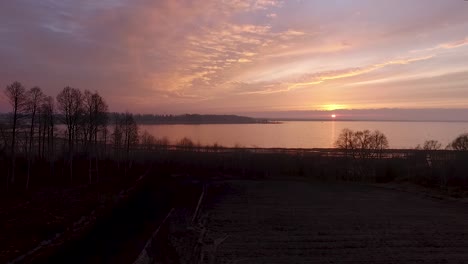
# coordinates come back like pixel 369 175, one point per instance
pixel 303 222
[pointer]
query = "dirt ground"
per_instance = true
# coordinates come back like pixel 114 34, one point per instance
pixel 279 221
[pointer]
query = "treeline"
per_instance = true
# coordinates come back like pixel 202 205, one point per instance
pixel 375 141
pixel 195 119
pixel 31 132
pixel 365 156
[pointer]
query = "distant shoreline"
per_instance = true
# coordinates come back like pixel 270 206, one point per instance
pixel 220 123
pixel 280 120
pixel 269 121
pixel 197 119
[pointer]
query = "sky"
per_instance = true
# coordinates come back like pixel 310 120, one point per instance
pixel 241 56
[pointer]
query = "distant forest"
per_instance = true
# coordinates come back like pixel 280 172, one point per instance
pixel 195 119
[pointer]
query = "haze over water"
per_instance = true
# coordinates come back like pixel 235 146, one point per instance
pixel 307 134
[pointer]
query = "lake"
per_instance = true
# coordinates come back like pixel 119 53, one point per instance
pixel 307 134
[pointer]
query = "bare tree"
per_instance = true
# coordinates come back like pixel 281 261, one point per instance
pixel 460 143
pixel 163 143
pixel 130 133
pixel 346 140
pixel 16 94
pixel 88 121
pixel 186 143
pixel 46 125
pixel 101 120
pixel 378 142
pixel 70 106
pixel 34 100
pixel 430 145
pixel 129 130
pixel 95 120
pixel 47 113
pixel 117 138
pixel 363 139
pixel 3 137
pixel 147 140
pixel 363 144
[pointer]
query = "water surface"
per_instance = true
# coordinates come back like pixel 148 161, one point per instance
pixel 307 134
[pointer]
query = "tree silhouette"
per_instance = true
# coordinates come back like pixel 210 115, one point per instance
pixel 94 120
pixel 125 136
pixel 95 116
pixel 70 105
pixel 35 98
pixel 130 132
pixel 431 145
pixel 362 144
pixel 117 138
pixel 147 141
pixel 47 119
pixel 346 140
pixel 378 142
pixel 460 143
pixel 186 143
pixel 16 94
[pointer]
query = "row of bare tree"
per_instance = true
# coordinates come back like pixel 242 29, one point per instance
pixel 367 144
pixel 34 137
pixel 460 143
pixel 41 127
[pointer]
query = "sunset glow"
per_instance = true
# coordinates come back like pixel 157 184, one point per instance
pixel 116 116
pixel 177 56
pixel 331 107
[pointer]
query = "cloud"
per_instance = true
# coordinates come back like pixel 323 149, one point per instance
pixel 320 77
pixel 252 5
pixel 446 46
pixel 272 15
pixel 146 41
pixel 172 52
pixel 307 51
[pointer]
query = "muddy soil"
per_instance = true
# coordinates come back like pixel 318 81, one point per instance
pixel 312 222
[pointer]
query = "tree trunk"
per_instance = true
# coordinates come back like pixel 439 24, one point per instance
pixel 96 153
pixel 89 169
pixel 13 141
pixel 71 167
pixel 51 148
pixel 31 138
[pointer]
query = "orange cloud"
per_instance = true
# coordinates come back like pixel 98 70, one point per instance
pixel 447 45
pixel 355 72
pixel 321 77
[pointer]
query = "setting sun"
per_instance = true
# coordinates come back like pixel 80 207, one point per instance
pixel 333 116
